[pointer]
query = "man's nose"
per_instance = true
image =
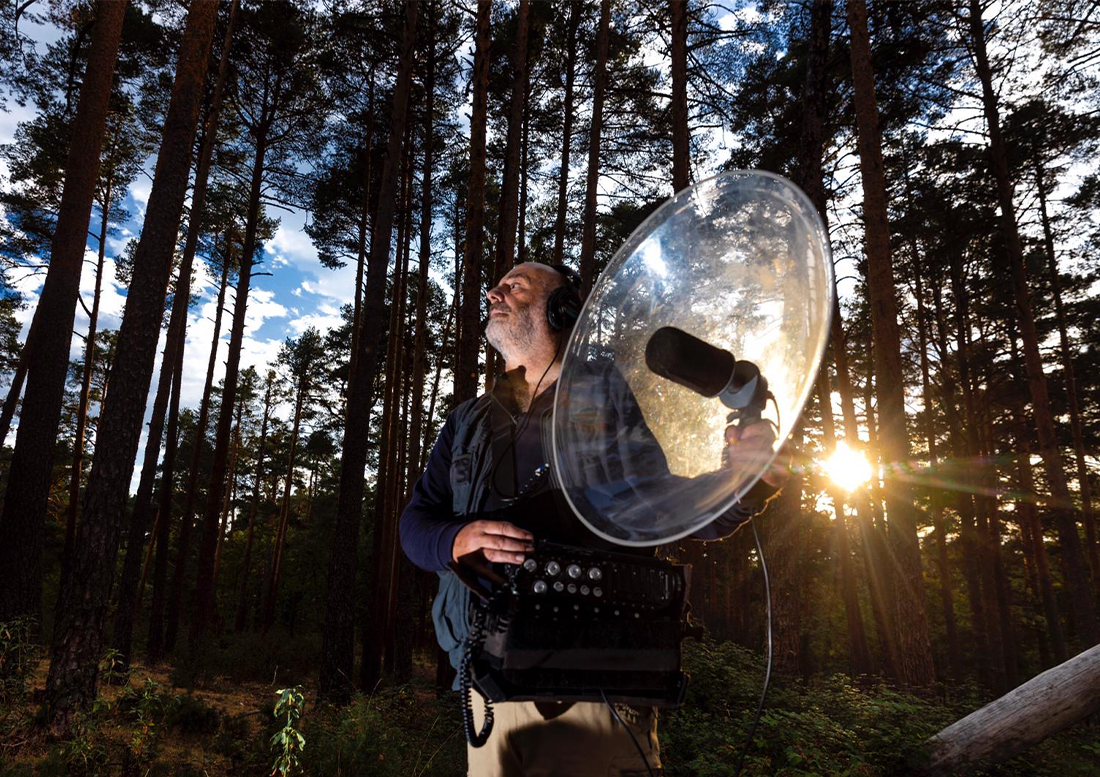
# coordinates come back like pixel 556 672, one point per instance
pixel 494 295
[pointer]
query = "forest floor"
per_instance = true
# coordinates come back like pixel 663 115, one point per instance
pixel 146 723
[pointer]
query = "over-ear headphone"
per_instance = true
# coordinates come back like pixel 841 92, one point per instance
pixel 563 307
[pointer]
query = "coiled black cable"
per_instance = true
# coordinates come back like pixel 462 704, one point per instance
pixel 466 684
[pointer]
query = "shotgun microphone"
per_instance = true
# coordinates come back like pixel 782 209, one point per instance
pixel 705 369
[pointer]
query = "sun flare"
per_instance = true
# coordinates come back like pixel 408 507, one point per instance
pixel 848 468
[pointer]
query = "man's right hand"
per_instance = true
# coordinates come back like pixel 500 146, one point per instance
pixel 479 542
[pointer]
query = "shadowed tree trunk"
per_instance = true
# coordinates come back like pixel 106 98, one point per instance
pixel 469 318
pixel 171 365
pixel 253 506
pixel 79 633
pixel 183 541
pixel 338 635
pixel 509 194
pixel 1081 592
pixel 420 340
pixel 588 233
pixel 681 137
pixel 910 622
pixel 23 520
pixel 575 10
pixel 1083 481
pixel 85 390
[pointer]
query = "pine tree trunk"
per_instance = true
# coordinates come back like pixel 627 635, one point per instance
pixel 420 341
pixel 681 138
pixel 469 329
pixel 575 10
pixel 183 541
pixel 588 233
pixel 229 492
pixel 338 635
pixel 1032 526
pixel 253 507
pixel 268 617
pixel 16 387
pixel 1081 593
pixel 1083 481
pixel 910 622
pixel 203 601
pixel 85 390
pixel 79 633
pixel 509 191
pixel 23 521
pixel 171 364
pixel 364 223
pixel 943 566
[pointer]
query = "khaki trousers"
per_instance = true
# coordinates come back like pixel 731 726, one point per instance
pixel 551 739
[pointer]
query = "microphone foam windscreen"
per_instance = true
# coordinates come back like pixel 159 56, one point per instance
pixel 685 359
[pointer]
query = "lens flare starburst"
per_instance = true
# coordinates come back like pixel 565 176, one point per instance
pixel 848 468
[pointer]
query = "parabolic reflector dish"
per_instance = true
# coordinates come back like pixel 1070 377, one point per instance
pixel 740 261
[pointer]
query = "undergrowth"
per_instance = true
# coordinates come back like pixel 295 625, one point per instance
pixel 827 727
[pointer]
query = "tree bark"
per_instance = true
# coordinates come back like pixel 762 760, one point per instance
pixel 575 11
pixel 23 520
pixel 1081 593
pixel 338 636
pixel 1044 705
pixel 914 646
pixel 79 636
pixel 588 234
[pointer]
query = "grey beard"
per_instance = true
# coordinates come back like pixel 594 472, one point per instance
pixel 513 334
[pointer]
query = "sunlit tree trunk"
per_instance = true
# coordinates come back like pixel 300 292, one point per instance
pixel 23 520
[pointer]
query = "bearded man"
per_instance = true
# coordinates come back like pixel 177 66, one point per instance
pixel 490 455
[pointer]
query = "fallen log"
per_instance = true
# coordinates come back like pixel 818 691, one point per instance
pixel 1046 704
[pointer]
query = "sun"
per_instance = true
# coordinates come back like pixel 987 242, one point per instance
pixel 848 468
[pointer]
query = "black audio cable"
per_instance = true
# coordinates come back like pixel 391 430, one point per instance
pixel 768 671
pixel 634 739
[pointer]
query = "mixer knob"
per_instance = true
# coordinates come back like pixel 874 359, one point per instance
pixel 595 574
pixel 559 586
pixel 539 587
pixel 553 568
pixel 530 565
pixel 571 588
pixel 574 571
pixel 584 590
pixel 597 591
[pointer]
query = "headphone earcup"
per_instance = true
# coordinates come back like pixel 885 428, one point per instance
pixel 563 308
